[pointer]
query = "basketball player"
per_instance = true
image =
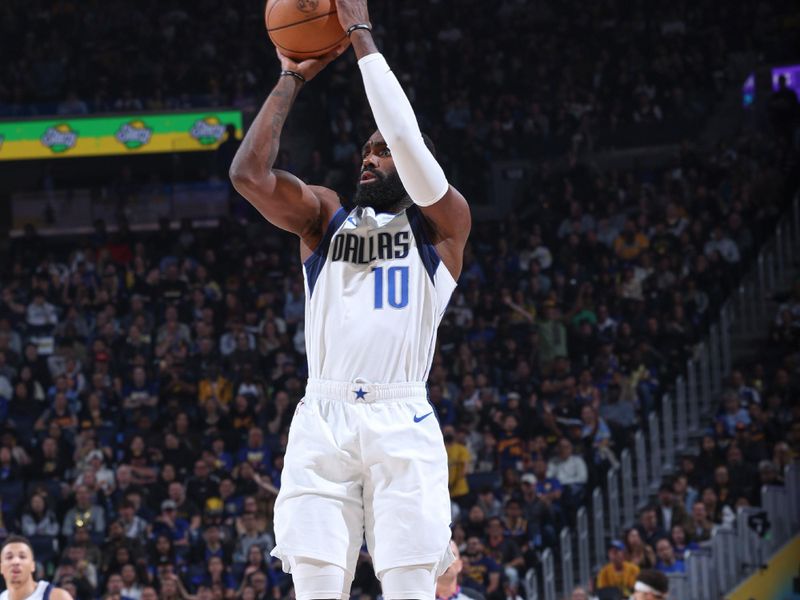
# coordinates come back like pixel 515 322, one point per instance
pixel 17 565
pixel 365 454
pixel 650 585
pixel 447 587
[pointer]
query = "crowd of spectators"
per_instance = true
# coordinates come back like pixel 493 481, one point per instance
pixel 753 436
pixel 147 381
pixel 559 77
pixel 658 63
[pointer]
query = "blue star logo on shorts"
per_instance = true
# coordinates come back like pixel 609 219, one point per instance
pixel 360 393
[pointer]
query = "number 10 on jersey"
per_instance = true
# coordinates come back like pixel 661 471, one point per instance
pixel 396 286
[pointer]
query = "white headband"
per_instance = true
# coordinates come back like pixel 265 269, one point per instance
pixel 640 586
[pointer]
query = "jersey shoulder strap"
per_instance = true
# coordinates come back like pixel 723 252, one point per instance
pixel 47 590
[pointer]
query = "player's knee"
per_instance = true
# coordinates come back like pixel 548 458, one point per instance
pixel 319 580
pixel 416 582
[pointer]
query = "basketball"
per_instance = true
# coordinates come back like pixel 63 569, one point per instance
pixel 303 29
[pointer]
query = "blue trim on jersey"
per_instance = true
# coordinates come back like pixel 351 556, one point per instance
pixel 314 263
pixel 48 589
pixel 430 257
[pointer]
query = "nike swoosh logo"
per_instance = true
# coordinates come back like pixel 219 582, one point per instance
pixel 422 418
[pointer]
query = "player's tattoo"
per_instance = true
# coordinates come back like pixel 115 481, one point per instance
pixel 284 100
pixel 261 145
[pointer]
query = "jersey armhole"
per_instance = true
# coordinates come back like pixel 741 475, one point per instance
pixel 427 251
pixel 314 263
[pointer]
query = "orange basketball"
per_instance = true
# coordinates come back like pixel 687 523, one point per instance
pixel 303 29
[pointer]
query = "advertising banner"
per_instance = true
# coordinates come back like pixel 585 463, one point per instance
pixel 106 135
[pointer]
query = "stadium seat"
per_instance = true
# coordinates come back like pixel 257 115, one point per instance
pixel 52 486
pixel 106 435
pixel 478 481
pixel 45 547
pixel 12 494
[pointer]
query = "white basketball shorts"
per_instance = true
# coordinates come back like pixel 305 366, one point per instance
pixel 364 460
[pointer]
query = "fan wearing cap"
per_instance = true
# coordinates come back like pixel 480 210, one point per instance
pixel 104 476
pixel 171 525
pixel 650 585
pixel 618 573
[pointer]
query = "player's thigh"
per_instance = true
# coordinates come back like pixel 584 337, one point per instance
pixel 319 511
pixel 406 499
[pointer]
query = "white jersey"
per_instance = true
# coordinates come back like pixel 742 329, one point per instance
pixel 42 592
pixel 376 290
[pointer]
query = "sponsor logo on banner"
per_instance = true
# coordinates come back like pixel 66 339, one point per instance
pixel 59 138
pixel 134 134
pixel 207 131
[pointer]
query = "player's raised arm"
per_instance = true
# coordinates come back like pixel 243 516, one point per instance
pixel 444 207
pixel 283 199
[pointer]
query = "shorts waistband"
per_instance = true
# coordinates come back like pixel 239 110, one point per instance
pixel 364 392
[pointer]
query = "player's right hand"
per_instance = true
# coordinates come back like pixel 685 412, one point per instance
pixel 311 67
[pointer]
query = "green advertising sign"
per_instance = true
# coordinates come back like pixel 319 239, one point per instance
pixel 116 135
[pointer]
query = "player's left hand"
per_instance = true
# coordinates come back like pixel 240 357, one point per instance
pixel 352 12
pixel 311 67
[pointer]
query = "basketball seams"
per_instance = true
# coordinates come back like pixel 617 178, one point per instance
pixel 310 53
pixel 328 14
pixel 297 39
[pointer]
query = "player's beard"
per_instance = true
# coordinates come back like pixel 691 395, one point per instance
pixel 382 193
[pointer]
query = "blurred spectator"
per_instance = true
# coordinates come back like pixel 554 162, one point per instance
pixel 458 459
pixel 597 435
pixel 636 551
pixel 680 542
pixel 447 587
pixel 251 535
pixel 135 527
pixel 670 511
pixel 701 524
pixel 667 562
pixel 40 315
pixel 175 528
pixel 72 105
pixel 38 519
pixel 480 571
pixel 648 526
pixel 570 471
pixel 617 573
pixel 85 513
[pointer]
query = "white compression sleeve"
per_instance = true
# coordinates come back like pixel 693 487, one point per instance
pixel 419 171
pixel 416 582
pixel 315 579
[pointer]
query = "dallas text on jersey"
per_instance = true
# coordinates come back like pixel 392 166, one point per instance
pixel 349 247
